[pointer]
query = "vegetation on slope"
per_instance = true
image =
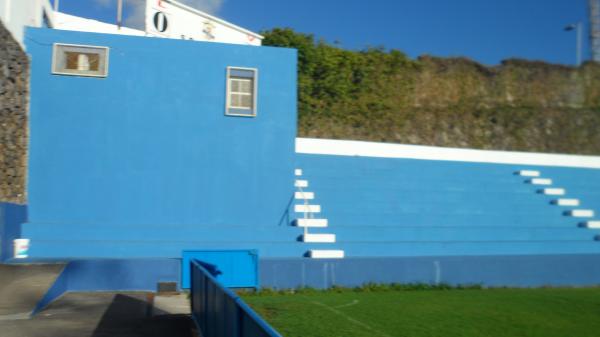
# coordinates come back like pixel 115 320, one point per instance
pixel 381 95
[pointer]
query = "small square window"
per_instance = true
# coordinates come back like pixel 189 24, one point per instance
pixel 242 86
pixel 79 60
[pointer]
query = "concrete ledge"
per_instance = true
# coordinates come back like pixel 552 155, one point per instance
pixel 390 150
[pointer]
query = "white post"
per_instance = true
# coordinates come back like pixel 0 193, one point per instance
pixel 7 10
pixel 579 42
pixel 56 5
pixel 119 13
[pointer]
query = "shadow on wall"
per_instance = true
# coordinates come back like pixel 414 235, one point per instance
pixel 286 218
pixel 12 217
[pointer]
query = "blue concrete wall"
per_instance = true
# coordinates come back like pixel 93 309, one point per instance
pixel 150 145
pixel 489 271
pixel 12 217
pixel 406 207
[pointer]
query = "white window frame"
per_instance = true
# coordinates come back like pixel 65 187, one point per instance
pixel 229 107
pixel 59 70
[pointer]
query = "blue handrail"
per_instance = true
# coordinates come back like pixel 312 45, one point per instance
pixel 219 312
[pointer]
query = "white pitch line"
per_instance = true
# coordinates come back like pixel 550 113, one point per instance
pixel 355 321
pixel 354 302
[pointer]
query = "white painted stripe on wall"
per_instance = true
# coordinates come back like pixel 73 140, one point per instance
pixel 581 213
pixel 541 181
pixel 304 195
pixel 529 173
pixel 593 224
pixel 319 238
pixel 307 208
pixel 388 150
pixel 314 223
pixel 567 202
pixel 301 183
pixel 326 254
pixel 554 191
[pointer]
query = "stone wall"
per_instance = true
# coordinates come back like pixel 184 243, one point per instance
pixel 14 92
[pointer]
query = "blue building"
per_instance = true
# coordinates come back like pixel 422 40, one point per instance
pixel 143 150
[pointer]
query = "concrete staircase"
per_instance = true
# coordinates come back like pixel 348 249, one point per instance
pixel 305 218
pixel 577 213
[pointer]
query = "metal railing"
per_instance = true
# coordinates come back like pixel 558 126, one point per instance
pixel 218 312
pixel 307 214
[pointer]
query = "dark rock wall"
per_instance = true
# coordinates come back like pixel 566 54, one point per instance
pixel 14 92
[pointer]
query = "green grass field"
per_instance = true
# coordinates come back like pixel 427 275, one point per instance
pixel 433 313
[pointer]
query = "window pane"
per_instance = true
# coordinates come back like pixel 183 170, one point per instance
pixel 247 101
pixel 236 100
pixel 246 86
pixel 235 85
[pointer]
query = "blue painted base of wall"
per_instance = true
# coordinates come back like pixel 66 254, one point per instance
pixel 285 273
pixel 490 271
pixel 233 268
pixel 12 217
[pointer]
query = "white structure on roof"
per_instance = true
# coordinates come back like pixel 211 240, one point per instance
pixel 164 18
pixel 171 19
pixel 71 22
pixel 16 14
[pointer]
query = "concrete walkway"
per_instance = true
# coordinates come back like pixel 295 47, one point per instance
pixel 85 314
pixel 22 286
pixel 101 315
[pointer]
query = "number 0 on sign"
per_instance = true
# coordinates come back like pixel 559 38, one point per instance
pixel 160 22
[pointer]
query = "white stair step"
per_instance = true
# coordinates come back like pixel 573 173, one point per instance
pixel 553 191
pixel 540 181
pixel 304 195
pixel 581 213
pixel 311 223
pixel 301 183
pixel 319 238
pixel 325 254
pixel 566 202
pixel 298 172
pixel 307 208
pixel 592 224
pixel 529 173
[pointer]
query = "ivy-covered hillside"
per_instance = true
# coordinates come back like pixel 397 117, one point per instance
pixel 381 95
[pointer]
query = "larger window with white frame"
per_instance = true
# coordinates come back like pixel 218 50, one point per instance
pixel 242 84
pixel 80 60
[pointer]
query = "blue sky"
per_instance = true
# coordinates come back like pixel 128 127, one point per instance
pixel 484 30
